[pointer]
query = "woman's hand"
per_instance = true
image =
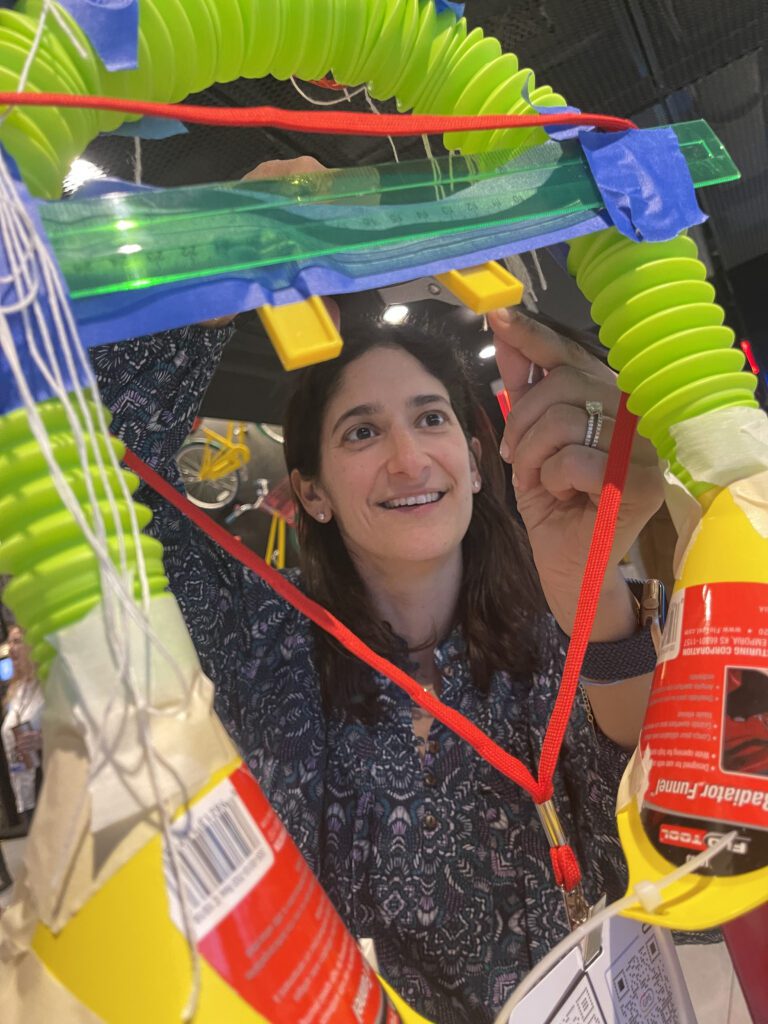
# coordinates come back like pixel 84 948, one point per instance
pixel 280 169
pixel 557 478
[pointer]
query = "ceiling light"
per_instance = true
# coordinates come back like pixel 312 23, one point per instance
pixel 395 314
pixel 488 352
pixel 81 171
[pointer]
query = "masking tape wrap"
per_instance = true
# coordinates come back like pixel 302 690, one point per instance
pixel 726 448
pixel 94 814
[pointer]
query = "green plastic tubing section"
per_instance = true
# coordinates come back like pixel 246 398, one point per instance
pixel 55 572
pixel 657 313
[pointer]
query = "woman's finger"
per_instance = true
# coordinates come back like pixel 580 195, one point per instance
pixel 577 470
pixel 521 342
pixel 294 167
pixel 563 385
pixel 561 426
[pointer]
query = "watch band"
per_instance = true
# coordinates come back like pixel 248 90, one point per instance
pixel 612 661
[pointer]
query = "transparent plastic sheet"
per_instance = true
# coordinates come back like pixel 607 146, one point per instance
pixel 136 242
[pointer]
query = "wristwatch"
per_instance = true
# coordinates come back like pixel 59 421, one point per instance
pixel 614 660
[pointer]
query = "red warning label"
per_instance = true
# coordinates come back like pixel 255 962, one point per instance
pixel 262 919
pixel 705 736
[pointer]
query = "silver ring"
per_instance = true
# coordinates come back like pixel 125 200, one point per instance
pixel 594 424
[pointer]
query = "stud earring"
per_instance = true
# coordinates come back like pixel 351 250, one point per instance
pixel 321 516
pixel 475 486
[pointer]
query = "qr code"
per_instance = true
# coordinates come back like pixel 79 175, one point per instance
pixel 642 990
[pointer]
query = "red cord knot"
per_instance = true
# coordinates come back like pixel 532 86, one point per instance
pixel 565 866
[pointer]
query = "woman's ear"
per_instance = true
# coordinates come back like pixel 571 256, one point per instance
pixel 475 456
pixel 312 497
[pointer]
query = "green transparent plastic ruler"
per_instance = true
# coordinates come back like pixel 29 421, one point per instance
pixel 138 240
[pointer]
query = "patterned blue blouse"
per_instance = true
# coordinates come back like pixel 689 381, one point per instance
pixel 442 862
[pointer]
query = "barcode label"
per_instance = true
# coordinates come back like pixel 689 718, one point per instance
pixel 221 853
pixel 673 628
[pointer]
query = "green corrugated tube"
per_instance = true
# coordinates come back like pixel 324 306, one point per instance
pixel 664 333
pixel 55 571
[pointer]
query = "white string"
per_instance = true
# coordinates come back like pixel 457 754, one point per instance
pixel 17 229
pixel 436 176
pixel 346 98
pixel 574 938
pixel 376 110
pixel 65 27
pixel 138 170
pixel 539 271
pixel 32 53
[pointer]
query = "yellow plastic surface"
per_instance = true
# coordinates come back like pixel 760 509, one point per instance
pixel 301 332
pixel 726 548
pixel 483 288
pixel 107 946
pixel 108 955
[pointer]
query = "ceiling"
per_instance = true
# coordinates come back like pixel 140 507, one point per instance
pixel 655 61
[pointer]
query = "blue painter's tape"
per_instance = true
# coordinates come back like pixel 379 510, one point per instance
pixel 151 128
pixel 447 5
pixel 642 177
pixel 112 26
pixel 644 181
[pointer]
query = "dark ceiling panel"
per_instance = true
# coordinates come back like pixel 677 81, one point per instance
pixel 588 51
pixel 687 39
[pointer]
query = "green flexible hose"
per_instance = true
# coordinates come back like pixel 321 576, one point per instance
pixel 657 313
pixel 55 571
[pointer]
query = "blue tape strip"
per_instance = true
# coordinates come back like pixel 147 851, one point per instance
pixel 447 5
pixel 9 395
pixel 112 26
pixel 644 181
pixel 151 128
pixel 642 177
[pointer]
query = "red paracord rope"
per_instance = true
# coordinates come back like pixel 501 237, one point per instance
pixel 564 862
pixel 320 122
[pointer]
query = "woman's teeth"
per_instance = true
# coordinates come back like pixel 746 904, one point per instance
pixel 413 499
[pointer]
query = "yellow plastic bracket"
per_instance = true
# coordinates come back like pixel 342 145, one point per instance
pixel 483 288
pixel 301 332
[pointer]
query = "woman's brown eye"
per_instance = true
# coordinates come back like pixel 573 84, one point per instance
pixel 360 434
pixel 434 419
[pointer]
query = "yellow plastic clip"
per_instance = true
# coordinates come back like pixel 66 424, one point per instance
pixel 302 332
pixel 483 288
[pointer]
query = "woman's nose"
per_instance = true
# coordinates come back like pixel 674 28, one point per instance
pixel 406 455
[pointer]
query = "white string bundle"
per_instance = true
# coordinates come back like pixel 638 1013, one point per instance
pixel 33 278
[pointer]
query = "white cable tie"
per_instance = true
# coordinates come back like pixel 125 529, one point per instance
pixel 648 896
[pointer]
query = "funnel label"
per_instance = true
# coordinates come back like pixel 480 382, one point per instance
pixel 705 734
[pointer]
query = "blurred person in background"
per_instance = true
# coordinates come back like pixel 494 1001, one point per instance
pixel 20 730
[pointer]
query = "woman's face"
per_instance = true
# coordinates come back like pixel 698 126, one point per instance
pixel 396 470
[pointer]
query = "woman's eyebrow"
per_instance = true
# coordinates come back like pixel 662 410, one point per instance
pixel 356 410
pixel 419 400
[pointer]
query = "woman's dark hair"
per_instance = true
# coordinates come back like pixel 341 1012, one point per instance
pixel 500 601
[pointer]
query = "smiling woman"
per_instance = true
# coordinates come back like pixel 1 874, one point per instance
pixel 422 846
pixel 403 524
